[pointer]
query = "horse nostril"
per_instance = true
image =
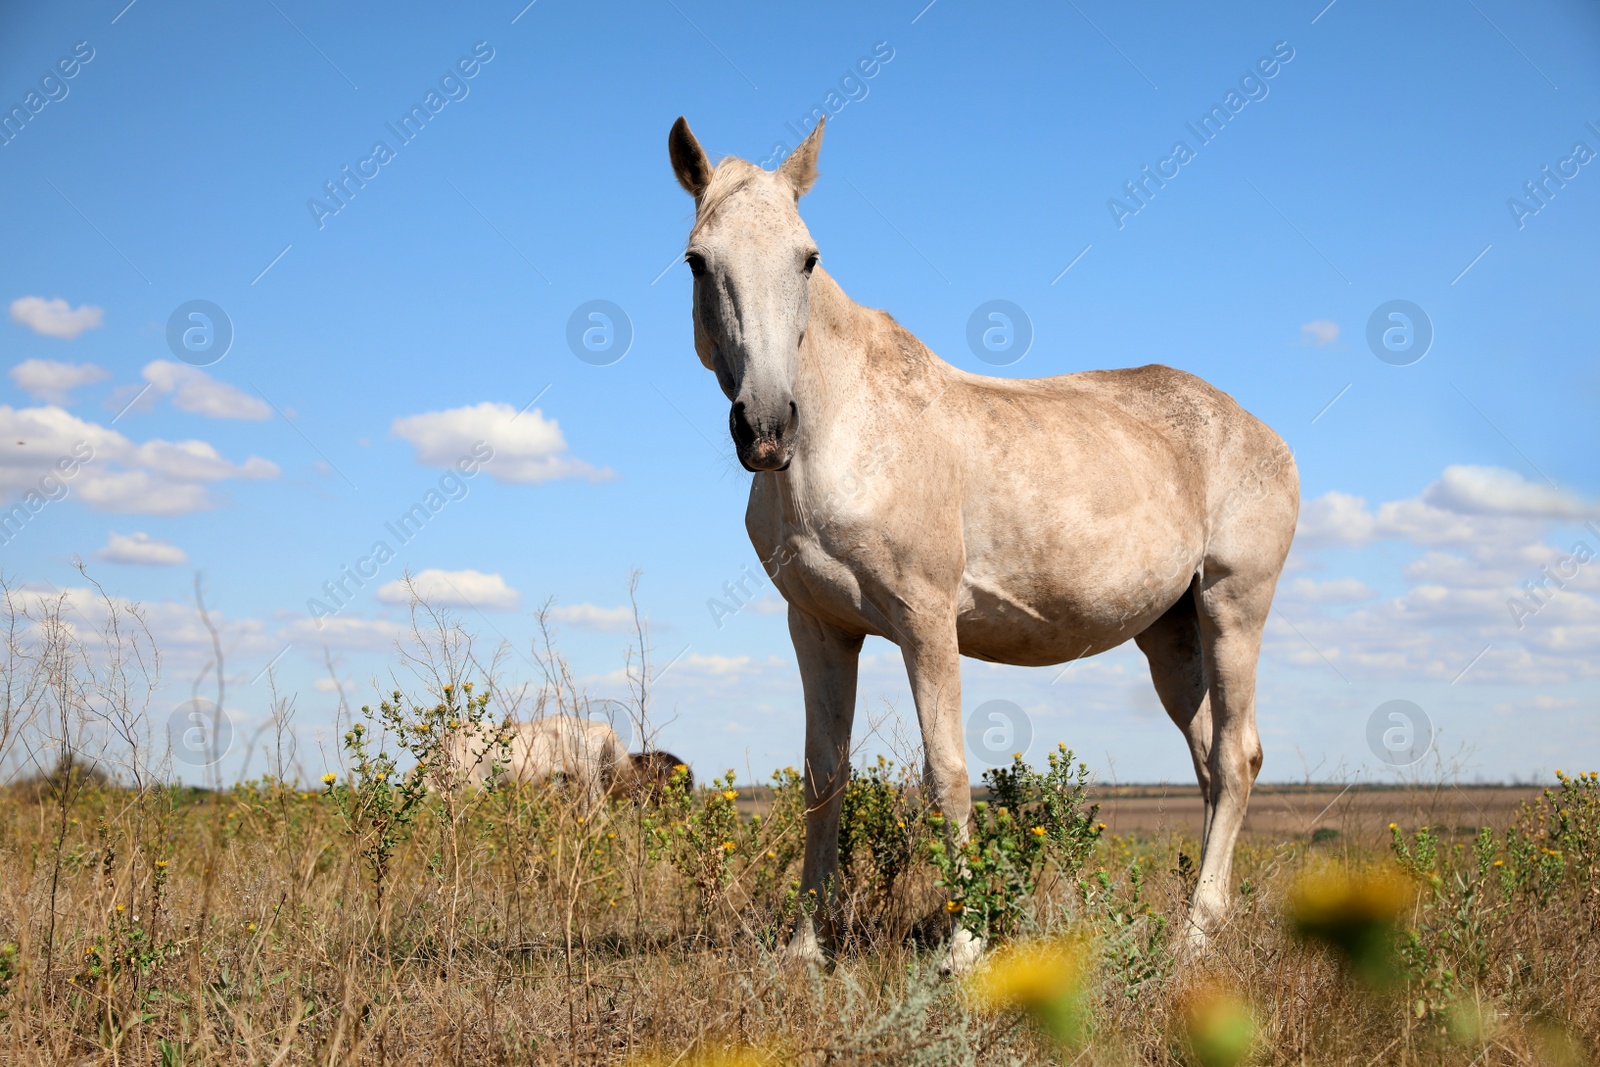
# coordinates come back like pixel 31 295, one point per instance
pixel 743 433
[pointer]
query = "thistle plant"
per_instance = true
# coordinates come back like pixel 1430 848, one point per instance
pixel 378 800
pixel 698 833
pixel 1032 819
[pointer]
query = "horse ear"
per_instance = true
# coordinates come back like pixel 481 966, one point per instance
pixel 800 169
pixel 689 160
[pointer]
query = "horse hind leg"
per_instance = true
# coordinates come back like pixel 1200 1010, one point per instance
pixel 1232 612
pixel 1173 648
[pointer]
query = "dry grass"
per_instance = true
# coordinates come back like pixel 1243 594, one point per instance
pixel 147 923
pixel 237 927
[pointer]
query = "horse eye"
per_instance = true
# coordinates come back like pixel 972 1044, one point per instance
pixel 811 262
pixel 697 263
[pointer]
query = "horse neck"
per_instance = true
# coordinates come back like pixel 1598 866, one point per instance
pixel 853 359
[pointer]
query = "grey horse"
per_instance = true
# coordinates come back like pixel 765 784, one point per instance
pixel 1030 521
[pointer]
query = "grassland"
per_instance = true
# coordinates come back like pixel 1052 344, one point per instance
pixel 246 926
pixel 368 920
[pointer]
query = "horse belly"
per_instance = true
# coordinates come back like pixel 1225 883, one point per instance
pixel 1037 631
pixel 1049 601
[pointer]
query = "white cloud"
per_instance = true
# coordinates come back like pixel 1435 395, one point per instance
pixel 347 633
pixel 1319 332
pixel 453 589
pixel 593 617
pixel 194 390
pixel 175 627
pixel 1486 566
pixel 141 493
pixel 1490 600
pixel 1333 591
pixel 1541 703
pixel 198 461
pixel 720 666
pixel 528 448
pixel 1496 491
pixel 1466 506
pixel 55 318
pixel 48 453
pixel 141 549
pixel 1335 518
pixel 52 381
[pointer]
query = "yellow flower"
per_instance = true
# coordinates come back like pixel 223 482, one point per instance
pixel 121 908
pixel 1016 755
pixel 1219 1026
pixel 329 778
pixel 1355 914
pixel 250 927
pixel 729 794
pixel 1037 831
pixel 161 865
pixel 1045 979
pixel 1394 826
pixel 771 855
pixel 728 846
pixel 1499 863
pixel 952 906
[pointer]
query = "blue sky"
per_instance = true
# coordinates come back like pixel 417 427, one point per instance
pixel 372 346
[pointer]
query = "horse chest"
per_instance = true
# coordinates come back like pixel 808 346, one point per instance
pixel 818 564
pixel 820 580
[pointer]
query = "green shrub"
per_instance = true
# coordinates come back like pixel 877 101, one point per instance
pixel 1032 818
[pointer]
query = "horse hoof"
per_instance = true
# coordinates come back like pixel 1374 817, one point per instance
pixel 1194 943
pixel 963 954
pixel 803 950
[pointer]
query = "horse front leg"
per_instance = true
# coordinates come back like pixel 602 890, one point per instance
pixel 828 663
pixel 933 664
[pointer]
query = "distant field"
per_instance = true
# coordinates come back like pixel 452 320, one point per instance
pixel 1279 812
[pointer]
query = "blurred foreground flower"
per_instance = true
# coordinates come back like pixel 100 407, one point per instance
pixel 1558 1046
pixel 1219 1026
pixel 1356 915
pixel 1045 979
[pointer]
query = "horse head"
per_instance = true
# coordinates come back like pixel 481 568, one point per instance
pixel 752 259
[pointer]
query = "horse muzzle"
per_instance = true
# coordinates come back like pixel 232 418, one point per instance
pixel 765 443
